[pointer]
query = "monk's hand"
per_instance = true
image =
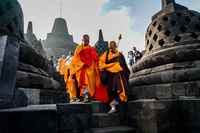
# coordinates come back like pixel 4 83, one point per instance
pixel 101 69
pixel 70 77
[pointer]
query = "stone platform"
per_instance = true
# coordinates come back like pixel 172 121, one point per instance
pixel 165 116
pixel 62 118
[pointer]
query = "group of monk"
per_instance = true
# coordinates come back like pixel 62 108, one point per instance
pixel 89 76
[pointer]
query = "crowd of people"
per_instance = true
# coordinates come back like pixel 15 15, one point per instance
pixel 134 56
pixel 89 76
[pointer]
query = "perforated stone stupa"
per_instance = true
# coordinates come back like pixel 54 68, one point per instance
pixel 165 83
pixel 171 64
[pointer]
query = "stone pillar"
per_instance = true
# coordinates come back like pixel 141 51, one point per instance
pixel 9 53
pixel 2 51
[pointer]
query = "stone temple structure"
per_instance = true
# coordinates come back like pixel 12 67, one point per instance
pixel 164 84
pixel 31 99
pixel 59 41
pixel 166 81
pixel 171 61
pixel 101 45
pixel 11 24
pixel 33 41
pixel 25 77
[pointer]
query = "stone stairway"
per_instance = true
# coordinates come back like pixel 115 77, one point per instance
pixel 118 129
pixel 62 118
pixel 108 123
pixel 103 122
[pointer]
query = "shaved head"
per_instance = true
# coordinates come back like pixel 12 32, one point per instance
pixel 113 46
pixel 86 39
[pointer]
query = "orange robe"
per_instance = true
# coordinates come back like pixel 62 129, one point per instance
pixel 63 70
pixel 85 66
pixel 114 67
pixel 70 83
pixel 62 65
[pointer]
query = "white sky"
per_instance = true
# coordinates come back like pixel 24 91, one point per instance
pixel 83 16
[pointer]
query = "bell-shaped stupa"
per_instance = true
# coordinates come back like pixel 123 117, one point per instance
pixel 59 41
pixel 170 66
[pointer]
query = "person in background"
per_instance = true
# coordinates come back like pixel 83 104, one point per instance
pixel 131 58
pixel 115 75
pixel 137 54
pixel 51 68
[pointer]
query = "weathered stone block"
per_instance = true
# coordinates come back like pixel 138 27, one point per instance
pixel 33 80
pixel 117 129
pixel 28 56
pixel 189 115
pixel 165 91
pixel 50 118
pixel 33 95
pixel 31 119
pixel 165 116
pixel 98 107
pixel 151 116
pixel 168 76
pixel 2 51
pixel 9 61
pixel 169 55
pixel 53 96
pixel 74 117
pixel 102 120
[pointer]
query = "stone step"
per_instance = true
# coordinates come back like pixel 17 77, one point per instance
pixel 98 107
pixel 60 118
pixel 100 120
pixel 46 118
pixel 118 129
pixel 29 119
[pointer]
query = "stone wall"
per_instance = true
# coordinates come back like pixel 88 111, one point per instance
pixel 165 116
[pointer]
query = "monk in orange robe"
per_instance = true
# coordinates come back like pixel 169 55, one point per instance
pixel 64 70
pixel 85 66
pixel 114 74
pixel 62 65
pixel 71 87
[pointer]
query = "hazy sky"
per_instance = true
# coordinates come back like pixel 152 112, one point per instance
pixel 128 17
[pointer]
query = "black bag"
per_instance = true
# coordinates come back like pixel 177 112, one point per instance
pixel 104 77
